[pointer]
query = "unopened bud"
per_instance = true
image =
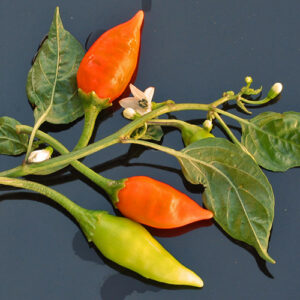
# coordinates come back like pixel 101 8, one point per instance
pixel 129 113
pixel 248 80
pixel 207 125
pixel 275 90
pixel 40 155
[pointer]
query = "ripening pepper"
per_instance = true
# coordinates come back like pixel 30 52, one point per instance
pixel 130 245
pixel 106 70
pixel 109 64
pixel 121 240
pixel 154 203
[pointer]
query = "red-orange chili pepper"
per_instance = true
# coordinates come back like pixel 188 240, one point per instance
pixel 109 64
pixel 157 204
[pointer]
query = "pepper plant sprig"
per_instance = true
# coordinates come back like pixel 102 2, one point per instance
pixel 123 136
pixel 237 192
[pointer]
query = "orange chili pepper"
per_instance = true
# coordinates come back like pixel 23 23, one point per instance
pixel 109 64
pixel 157 204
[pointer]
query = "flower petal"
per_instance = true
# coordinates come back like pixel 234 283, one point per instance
pixel 143 111
pixel 149 92
pixel 136 92
pixel 39 156
pixel 127 102
pixel 131 102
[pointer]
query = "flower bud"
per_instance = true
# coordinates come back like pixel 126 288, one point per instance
pixel 248 80
pixel 275 90
pixel 40 155
pixel 129 113
pixel 207 125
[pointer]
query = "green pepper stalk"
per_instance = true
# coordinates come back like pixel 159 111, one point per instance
pixel 117 137
pixel 119 239
pixel 111 187
pixel 169 207
pixel 92 106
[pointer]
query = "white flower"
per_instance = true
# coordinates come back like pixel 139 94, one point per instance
pixel 40 155
pixel 140 102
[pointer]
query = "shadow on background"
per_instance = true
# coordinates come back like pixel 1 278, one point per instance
pixel 126 281
pixel 179 231
pixel 261 263
pixel 21 195
pixel 146 5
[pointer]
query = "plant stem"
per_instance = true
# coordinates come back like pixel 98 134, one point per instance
pixel 256 102
pixel 112 139
pixel 62 200
pixel 35 128
pixel 232 136
pixel 152 145
pixel 232 116
pixel 84 217
pixel 90 115
pixel 104 183
pixel 168 122
pixel 222 100
pixel 227 129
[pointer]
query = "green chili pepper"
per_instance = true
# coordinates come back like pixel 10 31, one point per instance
pixel 130 245
pixel 192 133
pixel 121 240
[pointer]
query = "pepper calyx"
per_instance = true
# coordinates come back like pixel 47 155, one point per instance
pixel 92 99
pixel 113 189
pixel 88 220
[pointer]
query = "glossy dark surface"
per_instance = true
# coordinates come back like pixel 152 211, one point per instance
pixel 191 51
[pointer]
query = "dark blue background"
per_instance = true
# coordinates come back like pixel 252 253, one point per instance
pixel 191 51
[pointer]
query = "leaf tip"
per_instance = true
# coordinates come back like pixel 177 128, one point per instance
pixel 271 260
pixel 268 258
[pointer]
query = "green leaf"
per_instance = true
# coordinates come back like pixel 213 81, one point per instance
pixel 154 132
pixel 236 190
pixel 273 139
pixel 51 83
pixel 11 143
pixel 150 132
pixel 242 106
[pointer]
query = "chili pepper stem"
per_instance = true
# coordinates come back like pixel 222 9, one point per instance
pixel 90 116
pixel 84 217
pixel 111 187
pixel 153 146
pixel 227 129
pixel 167 122
pixel 232 136
pixel 92 106
pixel 222 100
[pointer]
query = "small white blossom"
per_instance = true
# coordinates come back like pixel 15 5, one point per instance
pixel 40 155
pixel 140 102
